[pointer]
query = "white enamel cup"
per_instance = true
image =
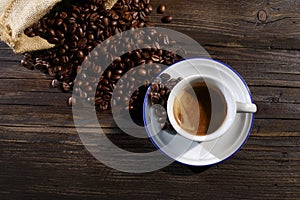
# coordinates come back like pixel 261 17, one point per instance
pixel 233 107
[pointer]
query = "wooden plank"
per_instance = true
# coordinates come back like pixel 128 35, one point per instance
pixel 59 175
pixel 68 137
pixel 261 151
pixel 276 95
pixel 235 23
pixel 33 94
pixel 62 116
pixel 276 128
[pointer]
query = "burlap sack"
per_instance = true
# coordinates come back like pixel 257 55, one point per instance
pixel 17 15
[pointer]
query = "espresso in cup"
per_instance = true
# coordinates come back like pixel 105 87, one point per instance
pixel 203 107
pixel 192 108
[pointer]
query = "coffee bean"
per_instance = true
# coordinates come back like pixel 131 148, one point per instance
pixel 58 22
pixel 114 23
pixel 161 120
pixel 119 72
pixel 24 63
pixel 106 21
pixel 62 51
pixel 59 34
pixel 66 87
pixel 54 83
pixel 142 72
pixel 167 19
pixel 162 92
pixel 106 97
pixel 54 40
pixel 108 74
pixel 79 32
pixel 92 26
pixel 80 55
pixel 89 88
pixel 155 99
pixel 105 82
pixel 74 15
pixel 155 58
pixel 51 32
pixel 89 48
pixel 72 20
pixel 73 48
pixel 155 87
pixel 105 88
pixel 71 101
pixel 90 36
pixel 82 43
pixel 74 37
pixel 93 17
pixel 165 77
pixel 64 59
pixel 63 15
pixel 116 77
pixel 73 45
pixel 71 28
pixel 29 32
pixel 161 9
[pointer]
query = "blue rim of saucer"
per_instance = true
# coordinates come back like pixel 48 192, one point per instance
pixel 242 144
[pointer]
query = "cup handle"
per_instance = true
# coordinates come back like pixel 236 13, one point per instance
pixel 246 107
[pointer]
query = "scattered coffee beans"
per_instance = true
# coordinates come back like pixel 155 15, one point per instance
pixel 160 90
pixel 76 28
pixel 122 71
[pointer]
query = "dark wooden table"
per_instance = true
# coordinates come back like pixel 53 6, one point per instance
pixel 42 157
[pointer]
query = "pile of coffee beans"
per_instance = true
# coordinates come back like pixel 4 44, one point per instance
pixel 76 28
pixel 142 64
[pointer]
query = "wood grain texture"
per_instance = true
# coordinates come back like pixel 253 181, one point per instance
pixel 42 157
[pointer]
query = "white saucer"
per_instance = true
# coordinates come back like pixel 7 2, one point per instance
pixel 211 152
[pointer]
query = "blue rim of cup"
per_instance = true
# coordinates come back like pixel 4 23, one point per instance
pixel 242 144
